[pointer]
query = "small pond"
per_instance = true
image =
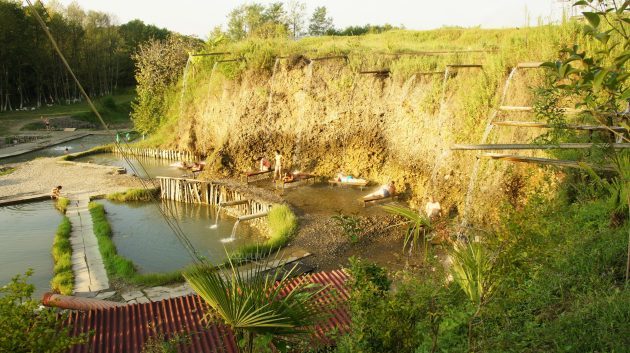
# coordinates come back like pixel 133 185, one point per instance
pixel 78 145
pixel 141 234
pixel 153 166
pixel 27 232
pixel 324 199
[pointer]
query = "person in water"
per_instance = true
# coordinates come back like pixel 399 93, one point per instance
pixel 386 190
pixel 432 209
pixel 288 177
pixel 265 165
pixel 277 173
pixel 55 193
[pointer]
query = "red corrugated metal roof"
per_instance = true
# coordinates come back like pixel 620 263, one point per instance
pixel 125 329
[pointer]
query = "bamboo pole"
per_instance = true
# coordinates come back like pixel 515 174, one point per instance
pixel 561 146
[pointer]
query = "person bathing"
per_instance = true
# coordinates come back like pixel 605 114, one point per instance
pixel 277 173
pixel 387 190
pixel 265 165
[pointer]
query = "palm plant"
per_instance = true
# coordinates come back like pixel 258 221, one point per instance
pixel 418 226
pixel 257 301
pixel 472 271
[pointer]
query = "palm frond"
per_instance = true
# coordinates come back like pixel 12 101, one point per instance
pixel 418 225
pixel 258 300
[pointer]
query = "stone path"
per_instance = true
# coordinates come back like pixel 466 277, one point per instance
pixel 87 263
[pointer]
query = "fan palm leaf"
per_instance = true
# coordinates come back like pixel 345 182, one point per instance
pixel 257 300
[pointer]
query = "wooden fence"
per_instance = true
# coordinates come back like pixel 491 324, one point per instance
pixel 210 193
pixel 159 153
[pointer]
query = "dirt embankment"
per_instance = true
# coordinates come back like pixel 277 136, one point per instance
pixel 326 118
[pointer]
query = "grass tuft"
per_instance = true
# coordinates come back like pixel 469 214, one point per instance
pixel 63 279
pixel 62 204
pixel 6 171
pixel 96 150
pixel 134 195
pixel 283 225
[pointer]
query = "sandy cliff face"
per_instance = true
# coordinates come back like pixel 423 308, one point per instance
pixel 325 118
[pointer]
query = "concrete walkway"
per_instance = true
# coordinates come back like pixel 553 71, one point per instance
pixel 87 263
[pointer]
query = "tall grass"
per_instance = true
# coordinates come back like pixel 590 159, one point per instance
pixel 62 204
pixel 63 279
pixel 283 225
pixel 118 266
pixel 134 195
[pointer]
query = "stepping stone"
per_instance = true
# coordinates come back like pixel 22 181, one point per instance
pixel 142 300
pixel 129 296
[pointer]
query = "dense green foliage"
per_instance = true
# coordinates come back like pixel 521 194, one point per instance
pixel 159 65
pixel 135 195
pixel 283 225
pixel 557 285
pixel 117 266
pixel 63 280
pixel 98 51
pixel 28 328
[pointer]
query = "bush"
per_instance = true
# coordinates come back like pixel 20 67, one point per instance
pixel 27 327
pixel 63 279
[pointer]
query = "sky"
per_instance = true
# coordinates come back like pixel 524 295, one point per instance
pixel 198 17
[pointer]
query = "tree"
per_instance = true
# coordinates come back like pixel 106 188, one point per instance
pixel 244 20
pixel 159 64
pixel 295 17
pixel 320 24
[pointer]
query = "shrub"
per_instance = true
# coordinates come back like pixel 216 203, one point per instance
pixel 350 225
pixel 63 279
pixel 27 327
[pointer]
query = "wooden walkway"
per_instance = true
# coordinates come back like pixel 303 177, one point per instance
pixel 87 263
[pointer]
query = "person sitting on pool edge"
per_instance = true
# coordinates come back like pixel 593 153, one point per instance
pixel 386 190
pixel 55 193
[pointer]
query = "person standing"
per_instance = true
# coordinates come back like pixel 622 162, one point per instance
pixel 277 173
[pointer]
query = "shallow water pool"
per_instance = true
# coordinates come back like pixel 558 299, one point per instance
pixel 27 232
pixel 74 146
pixel 152 166
pixel 142 236
pixel 325 199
